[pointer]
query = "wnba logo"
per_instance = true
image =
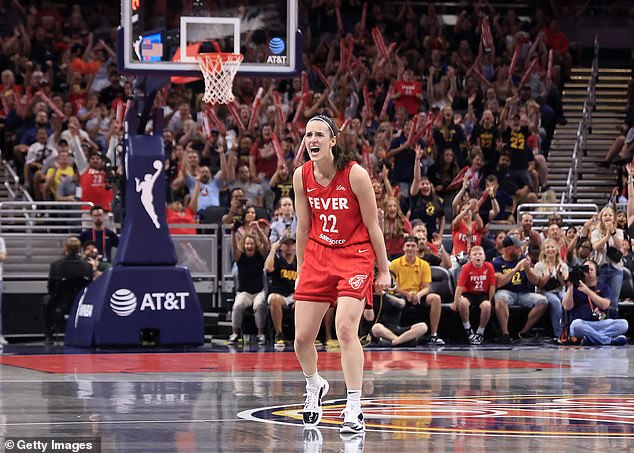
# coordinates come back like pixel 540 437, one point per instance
pixel 277 46
pixel 123 302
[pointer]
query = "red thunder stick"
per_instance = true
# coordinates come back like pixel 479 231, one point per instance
pixel 366 97
pixel 255 107
pixel 305 88
pixel 481 77
pixel 338 12
pixel 549 71
pixel 321 76
pixel 299 155
pixel 345 125
pixel 388 95
pixel 343 60
pixel 231 106
pixel 412 132
pixel 364 12
pixel 516 55
pixel 216 121
pixel 528 72
pixel 277 147
pixel 53 107
pixel 278 105
pixel 299 111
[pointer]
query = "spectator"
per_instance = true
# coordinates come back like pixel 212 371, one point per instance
pixel 443 172
pixel 95 181
pixel 281 266
pixel 466 232
pixel 105 238
pixel 587 304
pixel 253 191
pixel 282 184
pixel 528 233
pixel 179 213
pixel 553 273
pixel 498 246
pixel 263 159
pixel 408 93
pixel 66 278
pixel 91 255
pixel 237 208
pixel 286 225
pixel 402 151
pixel 432 252
pixel 56 175
pixel 514 279
pixel 249 254
pixel 448 134
pixel 395 227
pixel 424 204
pixel 37 153
pixel 413 281
pixel 475 288
pixel 607 241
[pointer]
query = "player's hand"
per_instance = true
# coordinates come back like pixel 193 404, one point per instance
pixel 383 281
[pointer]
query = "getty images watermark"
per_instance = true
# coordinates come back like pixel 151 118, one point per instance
pixel 52 444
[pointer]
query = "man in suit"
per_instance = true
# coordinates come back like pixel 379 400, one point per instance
pixel 66 278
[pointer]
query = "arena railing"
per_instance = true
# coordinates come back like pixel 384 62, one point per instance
pixel 584 128
pixel 29 256
pixel 11 181
pixel 571 213
pixel 42 216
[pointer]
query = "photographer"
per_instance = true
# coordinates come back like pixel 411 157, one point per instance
pixel 91 255
pixel 237 209
pixel 586 302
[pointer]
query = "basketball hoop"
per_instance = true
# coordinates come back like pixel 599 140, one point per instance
pixel 219 69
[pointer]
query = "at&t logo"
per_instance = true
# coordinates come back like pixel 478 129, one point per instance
pixel 277 47
pixel 123 301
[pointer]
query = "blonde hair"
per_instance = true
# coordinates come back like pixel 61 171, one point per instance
pixel 396 230
pixel 601 226
pixel 542 254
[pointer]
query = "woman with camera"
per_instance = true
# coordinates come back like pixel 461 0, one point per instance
pixel 606 241
pixel 553 273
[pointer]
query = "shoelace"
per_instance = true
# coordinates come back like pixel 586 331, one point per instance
pixel 312 398
pixel 348 414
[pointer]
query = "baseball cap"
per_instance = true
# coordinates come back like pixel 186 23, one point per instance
pixel 512 241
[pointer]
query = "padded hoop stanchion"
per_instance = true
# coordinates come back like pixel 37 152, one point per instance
pixel 219 70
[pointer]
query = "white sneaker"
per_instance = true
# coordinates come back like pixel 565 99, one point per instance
pixel 3 340
pixel 353 422
pixel 352 443
pixel 313 440
pixel 233 338
pixel 261 339
pixel 312 407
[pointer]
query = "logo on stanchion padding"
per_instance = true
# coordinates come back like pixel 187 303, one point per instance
pixel 123 302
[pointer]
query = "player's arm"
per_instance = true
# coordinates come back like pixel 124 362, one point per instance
pixel 362 187
pixel 302 211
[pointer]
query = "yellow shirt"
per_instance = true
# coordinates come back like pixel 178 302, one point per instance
pixel 68 171
pixel 411 277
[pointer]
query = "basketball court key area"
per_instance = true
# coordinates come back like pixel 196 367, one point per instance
pixel 245 399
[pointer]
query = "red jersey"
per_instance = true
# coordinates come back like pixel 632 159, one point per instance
pixel 335 215
pixel 463 239
pixel 408 99
pixel 93 188
pixel 477 280
pixel 185 217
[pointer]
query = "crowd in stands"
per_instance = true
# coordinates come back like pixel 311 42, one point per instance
pixel 453 123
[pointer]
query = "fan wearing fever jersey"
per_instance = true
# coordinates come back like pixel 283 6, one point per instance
pixel 475 288
pixel 338 240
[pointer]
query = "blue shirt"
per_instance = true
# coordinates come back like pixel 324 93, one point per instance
pixel 519 282
pixel 209 194
pixel 581 308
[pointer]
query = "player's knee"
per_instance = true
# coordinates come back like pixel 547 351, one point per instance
pixel 346 333
pixel 485 305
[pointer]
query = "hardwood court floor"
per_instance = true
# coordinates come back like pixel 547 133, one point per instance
pixel 216 399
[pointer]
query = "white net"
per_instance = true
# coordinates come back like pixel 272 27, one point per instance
pixel 219 69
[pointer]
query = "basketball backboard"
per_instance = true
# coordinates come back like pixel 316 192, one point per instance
pixel 162 36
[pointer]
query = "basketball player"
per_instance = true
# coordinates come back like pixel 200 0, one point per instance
pixel 338 240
